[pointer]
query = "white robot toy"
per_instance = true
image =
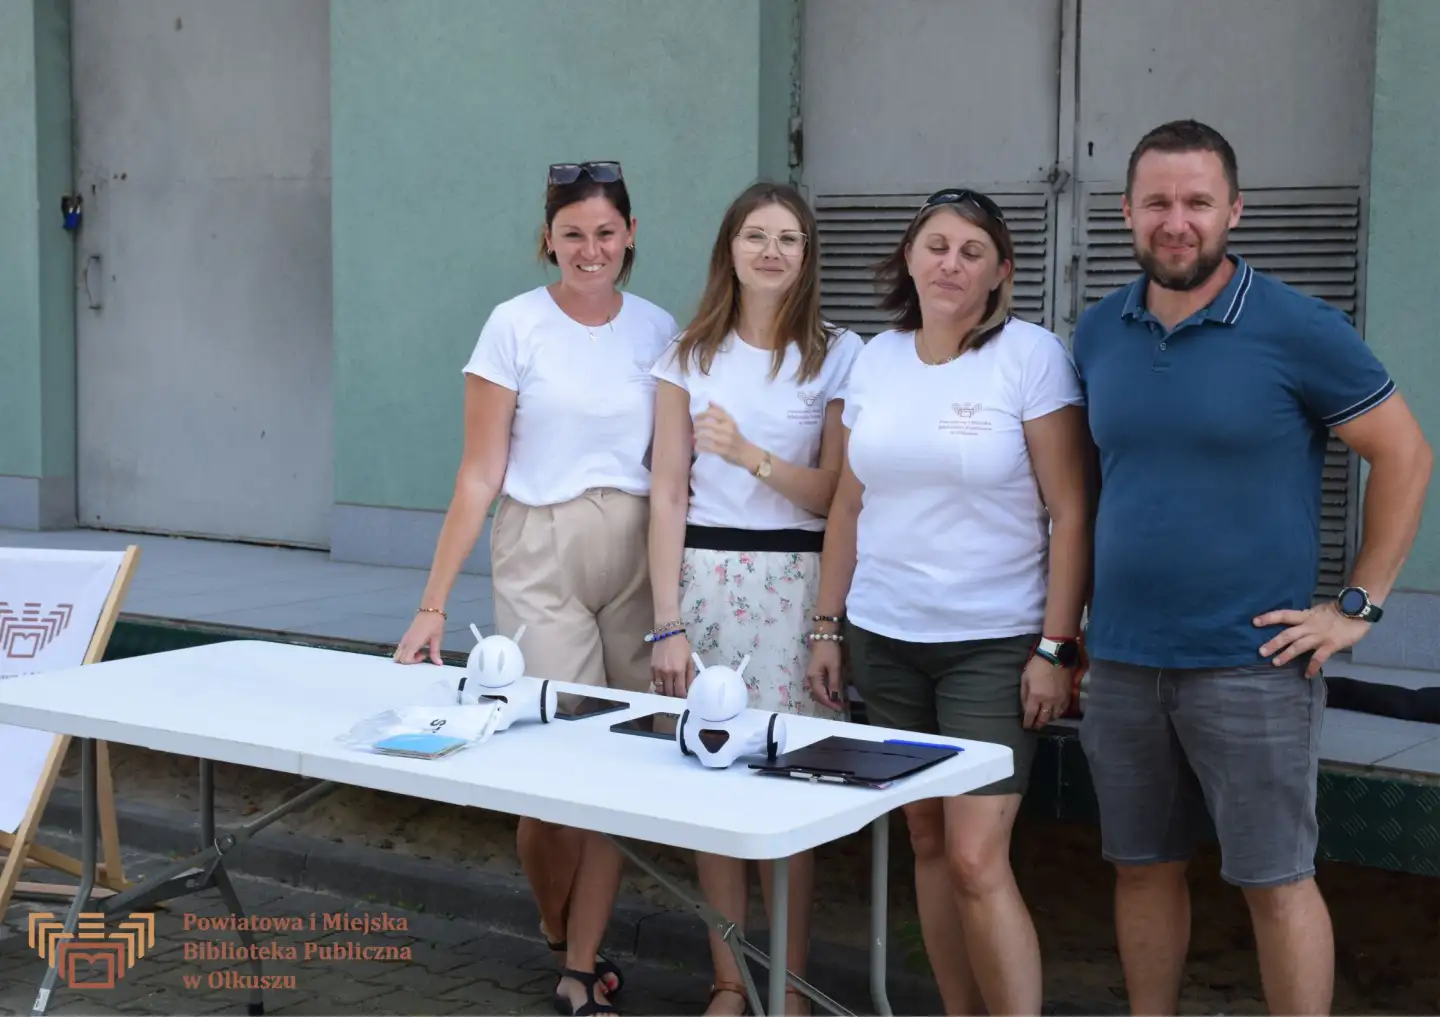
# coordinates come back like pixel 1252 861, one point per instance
pixel 718 726
pixel 495 670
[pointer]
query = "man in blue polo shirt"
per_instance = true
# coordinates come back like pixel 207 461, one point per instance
pixel 1211 390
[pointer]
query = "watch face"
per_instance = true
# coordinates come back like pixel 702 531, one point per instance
pixel 1352 601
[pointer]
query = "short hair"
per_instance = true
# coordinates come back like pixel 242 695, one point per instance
pixel 1186 136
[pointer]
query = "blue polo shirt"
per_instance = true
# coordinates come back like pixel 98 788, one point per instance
pixel 1212 445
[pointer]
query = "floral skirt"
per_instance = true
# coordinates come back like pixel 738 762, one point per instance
pixel 758 603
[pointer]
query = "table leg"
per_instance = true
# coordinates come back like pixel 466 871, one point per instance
pixel 89 815
pixel 879 911
pixel 779 933
pixel 743 949
pixel 207 802
pixel 205 869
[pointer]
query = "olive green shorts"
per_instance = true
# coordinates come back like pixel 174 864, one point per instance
pixel 968 689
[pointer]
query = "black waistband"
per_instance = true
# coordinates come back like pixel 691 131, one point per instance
pixel 728 538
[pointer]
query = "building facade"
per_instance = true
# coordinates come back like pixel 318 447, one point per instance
pixel 295 217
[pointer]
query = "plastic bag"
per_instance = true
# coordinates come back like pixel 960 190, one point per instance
pixel 472 720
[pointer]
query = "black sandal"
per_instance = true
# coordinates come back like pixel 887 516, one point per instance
pixel 565 1008
pixel 603 965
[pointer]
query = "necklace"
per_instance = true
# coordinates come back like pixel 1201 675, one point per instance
pixel 920 341
pixel 591 329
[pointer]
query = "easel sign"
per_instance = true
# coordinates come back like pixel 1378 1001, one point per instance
pixel 57 610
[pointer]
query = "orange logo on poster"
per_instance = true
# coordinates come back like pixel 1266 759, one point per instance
pixel 91 957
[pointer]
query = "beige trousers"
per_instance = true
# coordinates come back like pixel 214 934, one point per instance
pixel 577 576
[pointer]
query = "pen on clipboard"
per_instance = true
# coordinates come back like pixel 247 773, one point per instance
pixel 923 745
pixel 823 778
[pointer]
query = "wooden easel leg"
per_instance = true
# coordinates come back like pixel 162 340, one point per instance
pixel 22 840
pixel 112 869
pixel 109 871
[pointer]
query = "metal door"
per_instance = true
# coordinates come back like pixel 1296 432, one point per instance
pixel 203 289
pixel 1289 83
pixel 902 98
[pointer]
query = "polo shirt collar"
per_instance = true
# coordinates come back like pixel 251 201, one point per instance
pixel 1225 309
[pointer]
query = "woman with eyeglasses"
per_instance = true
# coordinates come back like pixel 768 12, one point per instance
pixel 559 411
pixel 958 550
pixel 747 452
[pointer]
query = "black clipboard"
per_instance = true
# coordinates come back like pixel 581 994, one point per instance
pixel 856 761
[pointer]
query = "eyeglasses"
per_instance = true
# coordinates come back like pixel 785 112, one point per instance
pixel 604 172
pixel 754 240
pixel 959 197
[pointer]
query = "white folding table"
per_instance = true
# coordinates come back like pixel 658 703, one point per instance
pixel 282 707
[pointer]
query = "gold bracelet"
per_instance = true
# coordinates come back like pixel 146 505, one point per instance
pixel 434 610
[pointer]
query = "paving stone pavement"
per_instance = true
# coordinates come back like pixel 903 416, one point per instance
pixel 412 964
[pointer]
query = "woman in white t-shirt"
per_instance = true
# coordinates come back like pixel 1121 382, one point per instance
pixel 747 452
pixel 559 412
pixel 958 550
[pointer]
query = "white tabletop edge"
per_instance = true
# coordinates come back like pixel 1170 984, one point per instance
pixel 263 757
pixel 38 706
pixel 865 806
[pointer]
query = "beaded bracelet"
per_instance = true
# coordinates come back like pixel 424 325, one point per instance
pixel 834 637
pixel 665 631
pixel 833 619
pixel 433 610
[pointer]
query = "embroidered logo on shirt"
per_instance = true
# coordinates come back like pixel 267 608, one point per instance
pixel 965 420
pixel 812 410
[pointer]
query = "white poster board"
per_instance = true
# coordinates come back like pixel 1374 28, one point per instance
pixel 50 604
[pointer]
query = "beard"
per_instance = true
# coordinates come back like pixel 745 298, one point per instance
pixel 1206 262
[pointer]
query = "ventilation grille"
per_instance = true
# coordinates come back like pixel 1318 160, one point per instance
pixel 1309 238
pixel 858 231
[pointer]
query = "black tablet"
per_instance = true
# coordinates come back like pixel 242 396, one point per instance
pixel 651 725
pixel 574 706
pixel 857 761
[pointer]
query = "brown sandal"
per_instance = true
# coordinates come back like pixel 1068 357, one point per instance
pixel 739 990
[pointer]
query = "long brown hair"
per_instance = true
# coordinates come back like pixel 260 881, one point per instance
pixel 798 319
pixel 902 300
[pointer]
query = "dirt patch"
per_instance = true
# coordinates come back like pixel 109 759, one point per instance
pixel 1387 925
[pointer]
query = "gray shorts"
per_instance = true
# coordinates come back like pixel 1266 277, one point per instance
pixel 968 689
pixel 1244 743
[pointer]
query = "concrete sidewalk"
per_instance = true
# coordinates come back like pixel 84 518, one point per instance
pixel 436 966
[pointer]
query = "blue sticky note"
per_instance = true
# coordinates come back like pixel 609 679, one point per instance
pixel 423 745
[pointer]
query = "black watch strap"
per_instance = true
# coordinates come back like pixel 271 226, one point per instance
pixel 1354 602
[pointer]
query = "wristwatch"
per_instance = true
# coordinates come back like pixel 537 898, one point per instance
pixel 1354 602
pixel 763 470
pixel 1060 652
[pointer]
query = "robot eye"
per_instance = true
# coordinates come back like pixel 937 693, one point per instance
pixel 713 739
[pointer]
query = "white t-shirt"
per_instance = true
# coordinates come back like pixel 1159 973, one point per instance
pixel 585 409
pixel 778 415
pixel 953 539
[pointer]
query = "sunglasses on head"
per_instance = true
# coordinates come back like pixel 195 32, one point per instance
pixel 959 197
pixel 604 172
